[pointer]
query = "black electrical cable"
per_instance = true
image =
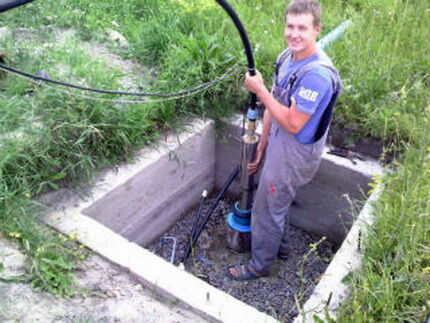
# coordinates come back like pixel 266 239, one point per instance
pixel 194 229
pixel 252 105
pixel 214 204
pixel 9 4
pixel 84 88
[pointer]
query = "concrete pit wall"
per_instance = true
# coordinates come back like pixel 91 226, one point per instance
pixel 133 204
pixel 151 198
pixel 327 205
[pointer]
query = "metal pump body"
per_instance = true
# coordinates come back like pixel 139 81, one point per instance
pixel 239 220
pixel 239 232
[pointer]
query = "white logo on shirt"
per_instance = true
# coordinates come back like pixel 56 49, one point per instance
pixel 308 94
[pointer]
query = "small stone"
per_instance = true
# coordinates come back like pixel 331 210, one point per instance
pixel 138 288
pixel 117 38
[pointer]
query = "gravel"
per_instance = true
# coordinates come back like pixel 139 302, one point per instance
pixel 290 283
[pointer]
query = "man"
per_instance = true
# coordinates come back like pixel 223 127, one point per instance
pixel 295 125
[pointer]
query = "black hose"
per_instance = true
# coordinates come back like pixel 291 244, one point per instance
pixel 214 204
pixel 246 44
pixel 6 5
pixel 194 229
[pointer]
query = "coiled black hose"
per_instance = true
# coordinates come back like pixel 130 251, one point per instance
pixel 9 4
pixel 114 92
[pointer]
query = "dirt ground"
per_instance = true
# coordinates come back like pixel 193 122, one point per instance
pixel 108 295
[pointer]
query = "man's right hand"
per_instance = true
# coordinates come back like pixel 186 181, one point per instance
pixel 254 166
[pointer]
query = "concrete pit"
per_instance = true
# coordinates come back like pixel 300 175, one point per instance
pixel 134 205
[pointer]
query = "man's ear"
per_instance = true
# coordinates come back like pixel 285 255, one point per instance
pixel 318 28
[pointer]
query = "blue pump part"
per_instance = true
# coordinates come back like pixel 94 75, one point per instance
pixel 240 212
pixel 241 220
pixel 232 222
pixel 241 217
pixel 252 114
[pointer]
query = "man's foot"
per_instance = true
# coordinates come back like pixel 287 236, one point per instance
pixel 241 272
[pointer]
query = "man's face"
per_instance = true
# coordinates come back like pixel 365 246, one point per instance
pixel 301 33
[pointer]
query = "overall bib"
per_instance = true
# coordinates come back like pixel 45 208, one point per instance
pixel 288 165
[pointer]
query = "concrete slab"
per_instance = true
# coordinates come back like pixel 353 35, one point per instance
pixel 152 199
pixel 164 278
pixel 330 203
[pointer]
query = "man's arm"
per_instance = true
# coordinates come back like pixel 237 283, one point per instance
pixel 267 124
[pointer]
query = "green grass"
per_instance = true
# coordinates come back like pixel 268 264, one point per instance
pixel 51 256
pixel 51 139
pixel 386 69
pixel 394 283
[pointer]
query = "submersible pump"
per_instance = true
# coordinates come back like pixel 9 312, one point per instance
pixel 239 220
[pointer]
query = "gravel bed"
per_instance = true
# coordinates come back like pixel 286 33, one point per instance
pixel 290 283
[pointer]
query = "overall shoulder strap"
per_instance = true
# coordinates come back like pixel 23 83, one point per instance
pixel 299 74
pixel 281 59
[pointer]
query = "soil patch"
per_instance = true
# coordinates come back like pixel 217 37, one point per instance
pixel 348 142
pixel 105 294
pixel 290 282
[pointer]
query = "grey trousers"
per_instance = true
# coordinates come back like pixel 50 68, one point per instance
pixel 288 165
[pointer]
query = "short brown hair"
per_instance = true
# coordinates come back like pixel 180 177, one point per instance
pixel 297 7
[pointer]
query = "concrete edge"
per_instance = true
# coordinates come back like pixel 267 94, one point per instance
pixel 155 272
pixel 368 167
pixel 331 291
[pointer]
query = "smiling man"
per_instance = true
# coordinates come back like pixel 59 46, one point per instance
pixel 295 125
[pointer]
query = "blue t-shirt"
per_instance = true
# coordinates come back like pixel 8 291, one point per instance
pixel 312 94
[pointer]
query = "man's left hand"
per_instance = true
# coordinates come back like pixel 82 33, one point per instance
pixel 254 84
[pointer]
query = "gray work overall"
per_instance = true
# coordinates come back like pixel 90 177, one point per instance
pixel 288 165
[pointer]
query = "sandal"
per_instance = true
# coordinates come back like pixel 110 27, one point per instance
pixel 243 272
